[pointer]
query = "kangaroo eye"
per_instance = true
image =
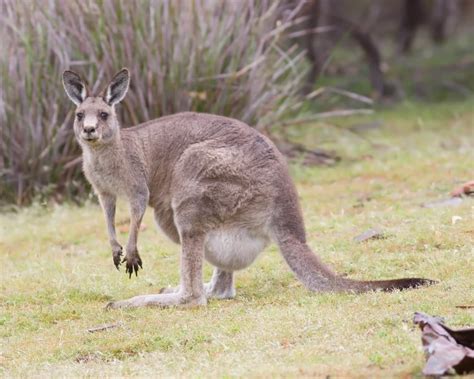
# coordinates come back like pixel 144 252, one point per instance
pixel 80 116
pixel 104 115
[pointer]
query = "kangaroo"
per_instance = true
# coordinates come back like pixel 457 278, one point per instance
pixel 217 187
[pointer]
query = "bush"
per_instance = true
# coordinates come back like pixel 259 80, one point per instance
pixel 224 57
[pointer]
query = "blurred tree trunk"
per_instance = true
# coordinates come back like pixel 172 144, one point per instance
pixel 412 17
pixel 326 23
pixel 438 15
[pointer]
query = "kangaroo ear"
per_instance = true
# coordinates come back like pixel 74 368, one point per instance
pixel 118 87
pixel 75 87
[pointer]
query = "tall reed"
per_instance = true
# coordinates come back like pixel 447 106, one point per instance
pixel 223 57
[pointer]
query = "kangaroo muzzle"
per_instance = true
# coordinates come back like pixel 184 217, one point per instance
pixel 89 130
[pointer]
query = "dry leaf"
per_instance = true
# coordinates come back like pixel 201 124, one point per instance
pixel 370 234
pixel 447 351
pixel 465 189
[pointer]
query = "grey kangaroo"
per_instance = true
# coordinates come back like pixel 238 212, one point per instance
pixel 217 187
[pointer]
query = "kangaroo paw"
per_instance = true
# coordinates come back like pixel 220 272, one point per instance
pixel 133 263
pixel 117 256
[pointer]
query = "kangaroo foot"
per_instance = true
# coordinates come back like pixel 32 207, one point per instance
pixel 216 292
pixel 210 289
pixel 169 290
pixel 221 285
pixel 159 300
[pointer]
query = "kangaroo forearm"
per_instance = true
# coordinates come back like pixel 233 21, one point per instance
pixel 138 204
pixel 108 205
pixel 133 235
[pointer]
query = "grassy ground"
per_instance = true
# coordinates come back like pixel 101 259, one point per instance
pixel 57 272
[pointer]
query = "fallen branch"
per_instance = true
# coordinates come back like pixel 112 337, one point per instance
pixel 311 156
pixel 325 115
pixel 351 95
pixel 104 327
pixel 343 92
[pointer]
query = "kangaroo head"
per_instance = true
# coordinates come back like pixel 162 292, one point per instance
pixel 96 121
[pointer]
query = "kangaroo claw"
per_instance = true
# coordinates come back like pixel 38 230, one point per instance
pixel 133 264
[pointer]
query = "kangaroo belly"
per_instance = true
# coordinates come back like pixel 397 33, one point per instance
pixel 234 248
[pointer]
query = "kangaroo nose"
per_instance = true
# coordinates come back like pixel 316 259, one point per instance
pixel 89 129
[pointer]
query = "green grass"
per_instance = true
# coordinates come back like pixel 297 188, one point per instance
pixel 57 273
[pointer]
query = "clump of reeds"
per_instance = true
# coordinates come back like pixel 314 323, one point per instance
pixel 225 57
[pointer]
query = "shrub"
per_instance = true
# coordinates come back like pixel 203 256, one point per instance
pixel 224 57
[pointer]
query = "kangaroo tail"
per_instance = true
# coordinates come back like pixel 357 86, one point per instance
pixel 289 232
pixel 316 276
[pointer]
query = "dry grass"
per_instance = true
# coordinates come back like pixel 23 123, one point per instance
pixel 57 273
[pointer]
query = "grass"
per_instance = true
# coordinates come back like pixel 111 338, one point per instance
pixel 57 272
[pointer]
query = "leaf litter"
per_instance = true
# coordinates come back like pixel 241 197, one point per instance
pixel 447 351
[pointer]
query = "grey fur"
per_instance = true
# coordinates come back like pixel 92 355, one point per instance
pixel 217 186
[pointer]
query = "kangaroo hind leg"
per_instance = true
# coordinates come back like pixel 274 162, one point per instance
pixel 221 285
pixel 191 289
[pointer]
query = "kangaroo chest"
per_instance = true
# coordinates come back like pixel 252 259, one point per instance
pixel 105 174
